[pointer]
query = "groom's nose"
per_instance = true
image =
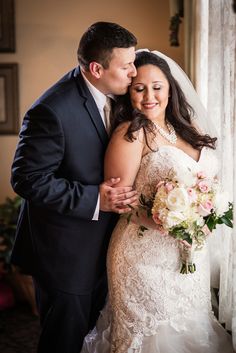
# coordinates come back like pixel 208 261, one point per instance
pixel 133 71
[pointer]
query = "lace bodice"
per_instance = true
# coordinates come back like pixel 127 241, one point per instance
pixel 145 286
pixel 155 166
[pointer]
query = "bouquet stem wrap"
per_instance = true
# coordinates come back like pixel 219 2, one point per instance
pixel 187 258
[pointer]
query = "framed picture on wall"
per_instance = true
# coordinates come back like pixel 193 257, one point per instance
pixel 9 117
pixel 7 26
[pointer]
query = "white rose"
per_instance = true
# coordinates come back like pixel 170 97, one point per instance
pixel 221 202
pixel 174 218
pixel 194 217
pixel 186 177
pixel 178 200
pixel 162 213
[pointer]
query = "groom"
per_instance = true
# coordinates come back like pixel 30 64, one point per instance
pixel 66 216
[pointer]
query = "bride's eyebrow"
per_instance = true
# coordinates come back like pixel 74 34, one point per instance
pixel 141 83
pixel 138 83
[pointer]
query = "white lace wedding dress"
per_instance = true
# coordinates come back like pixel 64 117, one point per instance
pixel 152 308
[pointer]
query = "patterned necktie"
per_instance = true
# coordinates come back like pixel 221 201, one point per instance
pixel 107 114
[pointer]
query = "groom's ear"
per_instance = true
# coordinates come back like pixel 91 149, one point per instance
pixel 95 69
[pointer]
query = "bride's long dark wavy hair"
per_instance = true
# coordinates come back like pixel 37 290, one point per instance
pixel 178 112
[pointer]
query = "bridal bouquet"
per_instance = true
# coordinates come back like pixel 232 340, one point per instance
pixel 188 206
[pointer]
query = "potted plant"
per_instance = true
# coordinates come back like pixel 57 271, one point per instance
pixel 9 274
pixel 8 218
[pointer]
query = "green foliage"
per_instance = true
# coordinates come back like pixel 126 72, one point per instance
pixel 227 218
pixel 146 204
pixel 8 218
pixel 141 230
pixel 179 232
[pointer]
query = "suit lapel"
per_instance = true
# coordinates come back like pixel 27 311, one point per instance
pixel 91 107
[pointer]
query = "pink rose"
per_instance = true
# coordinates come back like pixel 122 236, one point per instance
pixel 169 187
pixel 203 186
pixel 192 194
pixel 156 218
pixel 205 208
pixel 206 230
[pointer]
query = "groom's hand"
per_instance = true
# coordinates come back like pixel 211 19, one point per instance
pixel 116 198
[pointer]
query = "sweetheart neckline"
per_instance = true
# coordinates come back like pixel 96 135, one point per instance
pixel 178 149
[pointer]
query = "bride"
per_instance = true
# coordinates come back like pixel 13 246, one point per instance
pixel 152 307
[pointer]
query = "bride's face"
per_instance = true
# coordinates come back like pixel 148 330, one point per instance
pixel 149 92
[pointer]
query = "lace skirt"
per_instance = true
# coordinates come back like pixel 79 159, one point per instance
pixel 208 336
pixel 153 308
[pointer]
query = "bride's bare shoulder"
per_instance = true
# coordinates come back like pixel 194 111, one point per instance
pixel 121 132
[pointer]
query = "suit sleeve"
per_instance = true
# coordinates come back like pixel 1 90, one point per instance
pixel 35 167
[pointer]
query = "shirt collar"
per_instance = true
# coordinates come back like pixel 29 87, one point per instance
pixel 98 96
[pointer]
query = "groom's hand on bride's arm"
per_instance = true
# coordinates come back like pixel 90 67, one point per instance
pixel 116 198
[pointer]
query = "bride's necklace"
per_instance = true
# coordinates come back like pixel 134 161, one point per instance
pixel 170 135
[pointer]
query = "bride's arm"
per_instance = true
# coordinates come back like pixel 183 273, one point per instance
pixel 123 157
pixel 123 160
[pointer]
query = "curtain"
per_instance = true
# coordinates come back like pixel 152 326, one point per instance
pixel 216 83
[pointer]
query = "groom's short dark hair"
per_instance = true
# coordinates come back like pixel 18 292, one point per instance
pixel 100 39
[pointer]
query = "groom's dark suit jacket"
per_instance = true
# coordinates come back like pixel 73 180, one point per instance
pixel 57 168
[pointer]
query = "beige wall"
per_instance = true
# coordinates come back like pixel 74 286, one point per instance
pixel 47 36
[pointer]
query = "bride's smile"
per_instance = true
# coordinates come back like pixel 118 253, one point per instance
pixel 149 92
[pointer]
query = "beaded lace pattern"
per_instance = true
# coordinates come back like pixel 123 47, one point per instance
pixel 145 286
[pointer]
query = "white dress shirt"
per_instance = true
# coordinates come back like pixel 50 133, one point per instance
pixel 98 96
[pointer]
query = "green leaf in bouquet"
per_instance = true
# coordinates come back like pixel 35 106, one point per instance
pixel 229 213
pixel 146 202
pixel 181 234
pixel 187 238
pixel 226 221
pixel 211 222
pixel 141 230
pixel 142 200
pixel 129 217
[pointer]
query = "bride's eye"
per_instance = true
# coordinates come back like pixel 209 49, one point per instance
pixel 139 89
